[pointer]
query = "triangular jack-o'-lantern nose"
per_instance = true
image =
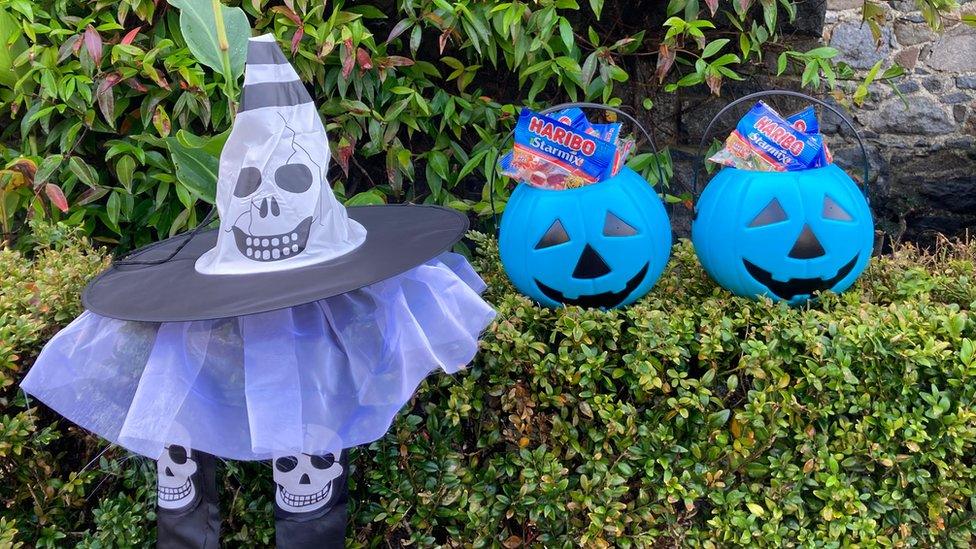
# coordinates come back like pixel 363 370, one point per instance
pixel 807 246
pixel 590 264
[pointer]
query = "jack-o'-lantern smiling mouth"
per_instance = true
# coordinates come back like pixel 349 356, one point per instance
pixel 797 286
pixel 273 247
pixel 607 300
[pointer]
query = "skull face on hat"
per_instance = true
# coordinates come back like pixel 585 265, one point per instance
pixel 277 210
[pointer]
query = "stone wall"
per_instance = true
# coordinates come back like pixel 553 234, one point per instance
pixel 921 145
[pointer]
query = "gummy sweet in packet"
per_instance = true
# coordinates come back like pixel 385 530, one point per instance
pixel 765 141
pixel 563 150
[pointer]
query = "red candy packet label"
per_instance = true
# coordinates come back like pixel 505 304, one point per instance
pixel 558 151
pixel 765 141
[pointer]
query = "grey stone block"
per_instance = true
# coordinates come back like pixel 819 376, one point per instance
pixel 857 46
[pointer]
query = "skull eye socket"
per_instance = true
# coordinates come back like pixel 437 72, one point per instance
pixel 772 213
pixel 614 226
pixel 556 234
pixel 832 210
pixel 177 454
pixel 322 462
pixel 248 181
pixel 287 463
pixel 294 178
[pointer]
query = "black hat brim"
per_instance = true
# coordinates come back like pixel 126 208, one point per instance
pixel 398 238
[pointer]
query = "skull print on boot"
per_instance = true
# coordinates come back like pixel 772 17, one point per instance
pixel 174 484
pixel 276 207
pixel 311 495
pixel 305 483
pixel 189 513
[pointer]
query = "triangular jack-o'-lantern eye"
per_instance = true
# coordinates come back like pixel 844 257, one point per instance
pixel 772 213
pixel 832 210
pixel 556 234
pixel 614 226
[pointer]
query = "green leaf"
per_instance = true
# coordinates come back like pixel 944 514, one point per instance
pixel 713 47
pixel 124 169
pixel 83 171
pixel 113 207
pixel 597 7
pixel 825 52
pixel 199 28
pixel 197 162
pixel 439 163
pixel 717 419
pixel 756 509
pixel 566 33
pixel 8 29
pixel 367 198
pixel 47 168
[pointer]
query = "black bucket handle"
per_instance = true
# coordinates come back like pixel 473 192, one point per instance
pixel 700 159
pixel 581 105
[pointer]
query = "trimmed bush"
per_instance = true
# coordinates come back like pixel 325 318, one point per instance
pixel 691 418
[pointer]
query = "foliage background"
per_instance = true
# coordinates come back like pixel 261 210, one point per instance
pixel 109 122
pixel 691 418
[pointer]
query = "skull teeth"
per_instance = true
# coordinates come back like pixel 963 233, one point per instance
pixel 273 247
pixel 174 494
pixel 295 500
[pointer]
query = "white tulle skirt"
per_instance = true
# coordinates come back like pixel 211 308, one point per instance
pixel 315 378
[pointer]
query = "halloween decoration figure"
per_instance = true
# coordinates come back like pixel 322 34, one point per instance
pixel 600 245
pixel 296 329
pixel 783 234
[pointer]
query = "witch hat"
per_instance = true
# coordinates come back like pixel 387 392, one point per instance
pixel 283 239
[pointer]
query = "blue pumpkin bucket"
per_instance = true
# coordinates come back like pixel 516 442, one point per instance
pixel 784 235
pixel 603 245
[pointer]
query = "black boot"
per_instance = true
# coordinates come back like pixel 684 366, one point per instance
pixel 311 493
pixel 188 512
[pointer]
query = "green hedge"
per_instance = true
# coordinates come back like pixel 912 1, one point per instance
pixel 692 418
pixel 108 120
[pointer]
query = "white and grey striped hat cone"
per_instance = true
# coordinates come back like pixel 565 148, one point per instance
pixel 277 210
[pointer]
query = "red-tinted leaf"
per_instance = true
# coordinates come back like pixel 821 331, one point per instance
pixel 398 61
pixel 27 168
pixel 290 14
pixel 69 46
pixel 714 82
pixel 90 195
pixel 744 5
pixel 93 43
pixel 665 59
pixel 56 196
pixel 106 97
pixel 345 151
pixel 712 6
pixel 137 85
pixel 156 77
pixel 296 39
pixel 348 60
pixel 442 41
pixel 131 35
pixel 161 121
pixel 362 57
pixel 399 29
pixel 108 82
